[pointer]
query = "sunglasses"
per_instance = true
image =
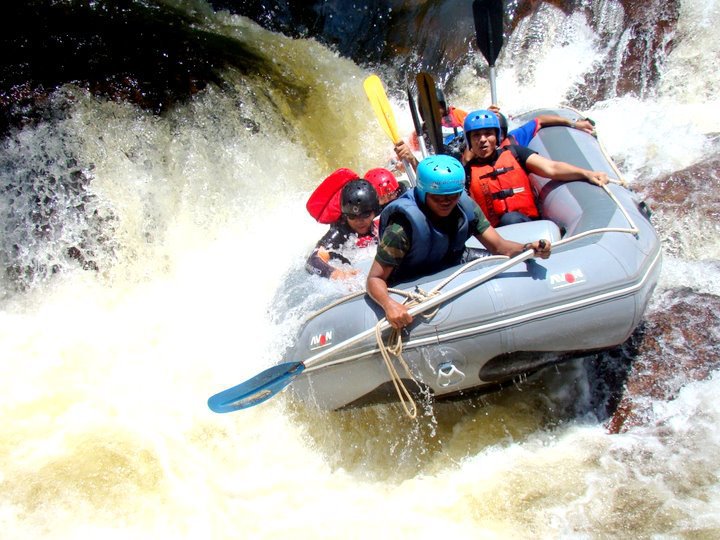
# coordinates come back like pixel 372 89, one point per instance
pixel 363 215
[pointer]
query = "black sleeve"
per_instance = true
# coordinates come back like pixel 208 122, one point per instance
pixel 522 153
pixel 315 265
pixel 334 238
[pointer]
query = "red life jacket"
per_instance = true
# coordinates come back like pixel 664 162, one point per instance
pixel 503 187
pixel 369 238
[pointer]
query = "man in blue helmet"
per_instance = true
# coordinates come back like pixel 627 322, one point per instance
pixel 425 230
pixel 497 177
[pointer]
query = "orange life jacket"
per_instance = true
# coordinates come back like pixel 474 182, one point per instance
pixel 454 118
pixel 503 187
pixel 452 124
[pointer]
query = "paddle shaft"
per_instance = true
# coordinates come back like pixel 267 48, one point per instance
pixel 424 306
pixel 410 172
pixel 493 86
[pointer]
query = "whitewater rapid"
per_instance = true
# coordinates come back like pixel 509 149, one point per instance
pixel 104 375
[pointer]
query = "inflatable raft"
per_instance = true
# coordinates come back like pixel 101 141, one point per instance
pixel 589 295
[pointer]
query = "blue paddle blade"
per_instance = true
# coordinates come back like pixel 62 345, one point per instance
pixel 261 387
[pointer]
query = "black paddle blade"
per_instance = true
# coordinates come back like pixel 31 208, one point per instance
pixel 417 123
pixel 414 112
pixel 488 15
pixel 259 388
pixel 430 110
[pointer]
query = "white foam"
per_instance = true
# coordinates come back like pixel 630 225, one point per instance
pixel 104 376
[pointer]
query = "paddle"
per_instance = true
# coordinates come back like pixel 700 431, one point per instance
pixel 488 15
pixel 378 99
pixel 266 384
pixel 430 111
pixel 416 123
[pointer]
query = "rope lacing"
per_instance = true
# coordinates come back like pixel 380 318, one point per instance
pixel 394 344
pixel 394 347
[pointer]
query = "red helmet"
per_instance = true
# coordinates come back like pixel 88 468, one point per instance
pixel 384 181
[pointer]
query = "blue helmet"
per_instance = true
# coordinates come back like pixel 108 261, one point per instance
pixel 481 119
pixel 439 175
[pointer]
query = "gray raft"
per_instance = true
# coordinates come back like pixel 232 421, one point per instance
pixel 589 295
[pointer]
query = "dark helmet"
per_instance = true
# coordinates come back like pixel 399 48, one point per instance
pixel 503 125
pixel 359 196
pixel 440 97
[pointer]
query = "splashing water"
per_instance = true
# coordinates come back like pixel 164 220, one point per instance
pixel 157 276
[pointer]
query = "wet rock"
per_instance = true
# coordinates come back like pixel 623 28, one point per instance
pixel 144 52
pixel 357 30
pixel 679 345
pixel 633 63
pixel 696 188
pixel 154 55
pixel 633 51
pixel 439 36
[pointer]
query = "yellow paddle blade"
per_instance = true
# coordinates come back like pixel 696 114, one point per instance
pixel 380 104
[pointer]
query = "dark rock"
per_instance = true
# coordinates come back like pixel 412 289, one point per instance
pixel 154 55
pixel 695 188
pixel 143 52
pixel 679 345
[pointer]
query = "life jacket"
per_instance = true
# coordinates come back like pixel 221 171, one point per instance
pixel 454 118
pixel 502 187
pixel 368 239
pixel 450 135
pixel 451 126
pixel 341 235
pixel 431 250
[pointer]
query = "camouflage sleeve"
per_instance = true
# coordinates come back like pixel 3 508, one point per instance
pixel 481 220
pixel 394 245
